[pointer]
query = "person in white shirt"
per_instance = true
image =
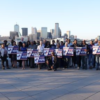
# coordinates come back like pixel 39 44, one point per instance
pixel 4 53
pixel 40 48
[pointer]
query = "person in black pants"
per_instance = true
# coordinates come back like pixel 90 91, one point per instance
pixel 4 53
pixel 52 62
pixel 75 58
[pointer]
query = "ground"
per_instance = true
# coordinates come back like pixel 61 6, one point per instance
pixel 34 84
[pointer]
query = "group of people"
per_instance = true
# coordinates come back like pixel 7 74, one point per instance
pixel 53 62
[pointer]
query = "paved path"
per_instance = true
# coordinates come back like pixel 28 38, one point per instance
pixel 33 84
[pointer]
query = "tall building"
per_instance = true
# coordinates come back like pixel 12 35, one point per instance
pixel 52 32
pixel 43 32
pixel 13 34
pixel 68 34
pixel 34 30
pixel 24 31
pixel 34 33
pixel 49 36
pixel 56 30
pixel 16 29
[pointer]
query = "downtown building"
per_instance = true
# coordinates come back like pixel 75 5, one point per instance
pixel 24 31
pixel 16 29
pixel 13 34
pixel 57 31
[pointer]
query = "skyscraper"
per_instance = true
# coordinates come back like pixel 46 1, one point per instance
pixel 68 34
pixel 24 31
pixel 13 34
pixel 49 36
pixel 56 30
pixel 34 33
pixel 44 32
pixel 16 29
pixel 52 32
pixel 34 30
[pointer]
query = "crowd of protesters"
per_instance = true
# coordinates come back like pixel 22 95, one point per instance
pixel 89 61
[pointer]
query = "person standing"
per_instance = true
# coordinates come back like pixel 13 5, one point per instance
pixel 40 49
pixel 90 55
pixel 4 53
pixel 98 59
pixel 59 59
pixel 23 48
pixel 53 46
pixel 34 47
pixel 14 57
pixel 84 58
pixel 75 58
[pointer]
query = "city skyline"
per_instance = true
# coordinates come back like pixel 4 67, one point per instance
pixel 80 17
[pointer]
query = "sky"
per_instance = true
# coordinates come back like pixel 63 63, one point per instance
pixel 81 17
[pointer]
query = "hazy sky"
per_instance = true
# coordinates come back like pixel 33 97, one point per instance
pixel 81 17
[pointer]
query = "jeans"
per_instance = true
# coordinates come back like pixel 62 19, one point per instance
pixel 91 60
pixel 84 62
pixel 97 61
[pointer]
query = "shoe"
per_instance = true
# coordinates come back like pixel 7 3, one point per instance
pixel 8 68
pixel 90 67
pixel 55 69
pixel 3 68
pixel 97 69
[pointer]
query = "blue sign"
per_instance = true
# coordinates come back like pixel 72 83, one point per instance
pixel 13 49
pixel 22 55
pixel 39 59
pixel 68 51
pixel 48 51
pixel 31 53
pixel 81 51
pixel 58 52
pixel 96 49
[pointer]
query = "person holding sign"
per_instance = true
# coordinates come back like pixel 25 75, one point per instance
pixel 75 58
pixel 52 62
pixel 84 56
pixel 3 54
pixel 40 49
pixel 14 57
pixel 90 55
pixel 66 58
pixel 59 59
pixel 23 48
pixel 34 47
pixel 98 57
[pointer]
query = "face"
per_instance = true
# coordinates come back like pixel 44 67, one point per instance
pixel 53 42
pixel 66 40
pixel 66 44
pixel 99 42
pixel 23 44
pixel 44 41
pixel 3 46
pixel 14 43
pixel 61 43
pixel 40 42
pixel 75 42
pixel 32 43
pixel 52 53
pixel 91 42
pixel 83 42
pixel 96 40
